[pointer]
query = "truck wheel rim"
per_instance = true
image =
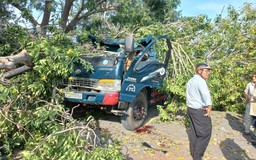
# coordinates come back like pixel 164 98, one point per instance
pixel 139 111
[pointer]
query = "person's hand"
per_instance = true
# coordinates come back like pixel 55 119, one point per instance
pixel 208 111
pixel 254 97
pixel 247 100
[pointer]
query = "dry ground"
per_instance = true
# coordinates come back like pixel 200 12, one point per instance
pixel 169 141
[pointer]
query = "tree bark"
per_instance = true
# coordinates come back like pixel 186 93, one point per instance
pixel 15 72
pixel 9 62
pixel 46 18
pixel 65 13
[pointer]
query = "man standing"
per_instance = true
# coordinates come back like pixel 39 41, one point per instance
pixel 198 100
pixel 250 96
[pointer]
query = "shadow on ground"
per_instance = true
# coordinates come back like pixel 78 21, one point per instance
pixel 229 148
pixel 232 150
pixel 237 124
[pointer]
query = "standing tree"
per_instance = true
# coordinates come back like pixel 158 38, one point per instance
pixel 66 13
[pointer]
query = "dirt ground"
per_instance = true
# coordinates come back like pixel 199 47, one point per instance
pixel 169 141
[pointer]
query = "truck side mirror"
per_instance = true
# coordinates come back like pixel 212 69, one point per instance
pixel 129 43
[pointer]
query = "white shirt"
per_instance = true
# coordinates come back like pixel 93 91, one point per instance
pixel 249 90
pixel 197 93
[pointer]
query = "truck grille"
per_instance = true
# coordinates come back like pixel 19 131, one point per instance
pixel 80 82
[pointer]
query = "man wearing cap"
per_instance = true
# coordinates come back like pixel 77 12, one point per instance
pixel 198 100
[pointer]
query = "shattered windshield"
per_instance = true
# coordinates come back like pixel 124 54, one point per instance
pixel 105 59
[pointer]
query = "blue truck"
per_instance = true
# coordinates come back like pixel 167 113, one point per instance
pixel 125 77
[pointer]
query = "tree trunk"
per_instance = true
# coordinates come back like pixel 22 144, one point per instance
pixel 9 63
pixel 65 13
pixel 15 72
pixel 46 18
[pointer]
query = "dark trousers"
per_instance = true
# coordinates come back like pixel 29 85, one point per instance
pixel 200 132
pixel 254 121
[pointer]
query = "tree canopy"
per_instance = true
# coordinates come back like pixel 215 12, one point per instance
pixel 67 15
pixel 34 123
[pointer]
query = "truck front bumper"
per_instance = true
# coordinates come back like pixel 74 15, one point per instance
pixel 110 98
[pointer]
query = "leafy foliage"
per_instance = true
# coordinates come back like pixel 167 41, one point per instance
pixel 29 119
pixel 11 44
pixel 4 13
pixel 133 14
pixel 163 10
pixel 31 123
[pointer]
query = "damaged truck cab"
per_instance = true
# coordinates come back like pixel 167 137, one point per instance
pixel 125 78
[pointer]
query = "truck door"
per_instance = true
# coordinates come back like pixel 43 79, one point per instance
pixel 148 69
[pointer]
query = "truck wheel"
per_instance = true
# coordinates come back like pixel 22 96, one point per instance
pixel 136 113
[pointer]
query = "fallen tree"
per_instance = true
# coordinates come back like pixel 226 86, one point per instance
pixel 12 64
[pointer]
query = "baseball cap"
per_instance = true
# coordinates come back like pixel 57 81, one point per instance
pixel 203 66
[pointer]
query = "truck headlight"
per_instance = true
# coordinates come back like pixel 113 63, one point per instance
pixel 109 85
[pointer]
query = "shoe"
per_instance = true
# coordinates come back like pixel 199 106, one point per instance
pixel 253 144
pixel 246 133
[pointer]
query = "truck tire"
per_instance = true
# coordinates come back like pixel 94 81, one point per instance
pixel 136 113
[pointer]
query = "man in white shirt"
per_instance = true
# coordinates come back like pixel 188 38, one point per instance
pixel 199 104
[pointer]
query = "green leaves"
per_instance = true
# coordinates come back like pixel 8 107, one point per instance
pixel 40 129
pixel 12 39
pixel 134 13
pixel 53 60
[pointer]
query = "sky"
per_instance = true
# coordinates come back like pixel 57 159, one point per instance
pixel 210 7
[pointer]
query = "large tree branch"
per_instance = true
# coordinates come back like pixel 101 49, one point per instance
pixel 109 8
pixel 78 17
pixel 15 72
pixel 65 13
pixel 26 13
pixel 9 62
pixel 46 17
pixel 75 20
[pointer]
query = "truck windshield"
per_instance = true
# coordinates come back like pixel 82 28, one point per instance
pixel 105 59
